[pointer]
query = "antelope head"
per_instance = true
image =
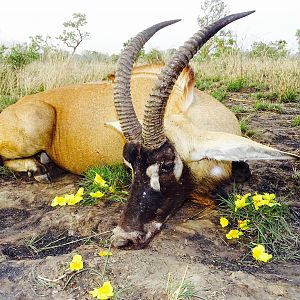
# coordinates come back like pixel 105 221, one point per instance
pixel 161 179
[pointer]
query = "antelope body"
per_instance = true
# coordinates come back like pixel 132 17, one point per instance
pixel 70 123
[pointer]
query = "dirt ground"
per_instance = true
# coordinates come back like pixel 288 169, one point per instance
pixel 192 237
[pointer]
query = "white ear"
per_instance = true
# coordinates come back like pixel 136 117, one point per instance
pixel 115 125
pixel 192 144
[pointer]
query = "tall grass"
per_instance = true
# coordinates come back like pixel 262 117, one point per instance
pixel 279 76
pixel 43 75
pixel 229 73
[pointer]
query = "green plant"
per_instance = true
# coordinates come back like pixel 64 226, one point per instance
pixel 289 95
pixel 236 85
pixel 245 128
pixel 6 173
pixel 266 96
pixel 6 101
pixel 152 57
pixel 220 94
pixel 183 290
pixel 268 222
pixel 268 106
pixel 239 109
pixel 72 36
pixel 296 121
pixel 116 180
pixel 273 49
pixel 20 55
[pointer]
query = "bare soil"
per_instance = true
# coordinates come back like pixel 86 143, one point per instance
pixel 192 237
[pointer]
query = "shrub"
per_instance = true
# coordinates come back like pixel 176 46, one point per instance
pixel 219 94
pixel 296 121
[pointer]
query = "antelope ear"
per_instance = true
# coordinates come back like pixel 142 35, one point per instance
pixel 230 147
pixel 115 125
pixel 192 144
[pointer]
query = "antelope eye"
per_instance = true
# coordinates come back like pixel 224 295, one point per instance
pixel 167 167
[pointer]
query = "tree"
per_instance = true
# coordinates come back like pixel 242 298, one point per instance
pixel 73 35
pixel 223 42
pixel 273 49
pixel 43 45
pixel 298 38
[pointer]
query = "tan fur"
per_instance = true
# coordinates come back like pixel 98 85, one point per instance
pixel 68 123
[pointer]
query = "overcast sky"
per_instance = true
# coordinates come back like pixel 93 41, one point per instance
pixel 112 22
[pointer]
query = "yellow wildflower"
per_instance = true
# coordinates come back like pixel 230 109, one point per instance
pixel 61 201
pixel 224 222
pixel 74 199
pixel 243 225
pixel 111 189
pixel 265 199
pixel 80 192
pixel 269 197
pixel 241 201
pixel 233 234
pixel 105 253
pixel 97 194
pixel 259 253
pixel 106 291
pixel 100 181
pixel 77 263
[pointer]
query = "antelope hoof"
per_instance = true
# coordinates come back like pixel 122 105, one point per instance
pixel 42 174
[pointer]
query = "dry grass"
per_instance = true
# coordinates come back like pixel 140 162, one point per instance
pixel 280 76
pixel 43 75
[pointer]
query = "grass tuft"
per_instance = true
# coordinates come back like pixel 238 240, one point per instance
pixel 268 106
pixel 270 226
pixel 117 178
pixel 246 129
pixel 6 173
pixel 238 109
pixel 220 94
pixel 6 101
pixel 296 121
pixel 183 290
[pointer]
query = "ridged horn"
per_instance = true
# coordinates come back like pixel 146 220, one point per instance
pixel 130 125
pixel 153 129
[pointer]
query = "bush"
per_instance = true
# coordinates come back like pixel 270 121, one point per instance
pixel 21 55
pixel 236 85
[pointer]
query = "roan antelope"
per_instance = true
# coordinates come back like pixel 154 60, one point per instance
pixel 173 155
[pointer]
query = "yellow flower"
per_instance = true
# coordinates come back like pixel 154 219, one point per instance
pixel 69 199
pixel 224 222
pixel 269 197
pixel 265 199
pixel 241 201
pixel 100 181
pixel 61 201
pixel 97 194
pixel 243 225
pixel 77 263
pixel 234 234
pixel 106 291
pixel 80 192
pixel 259 253
pixel 111 189
pixel 105 253
pixel 72 200
pixel 258 201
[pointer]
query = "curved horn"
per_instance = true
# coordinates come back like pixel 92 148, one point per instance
pixel 153 130
pixel 130 125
